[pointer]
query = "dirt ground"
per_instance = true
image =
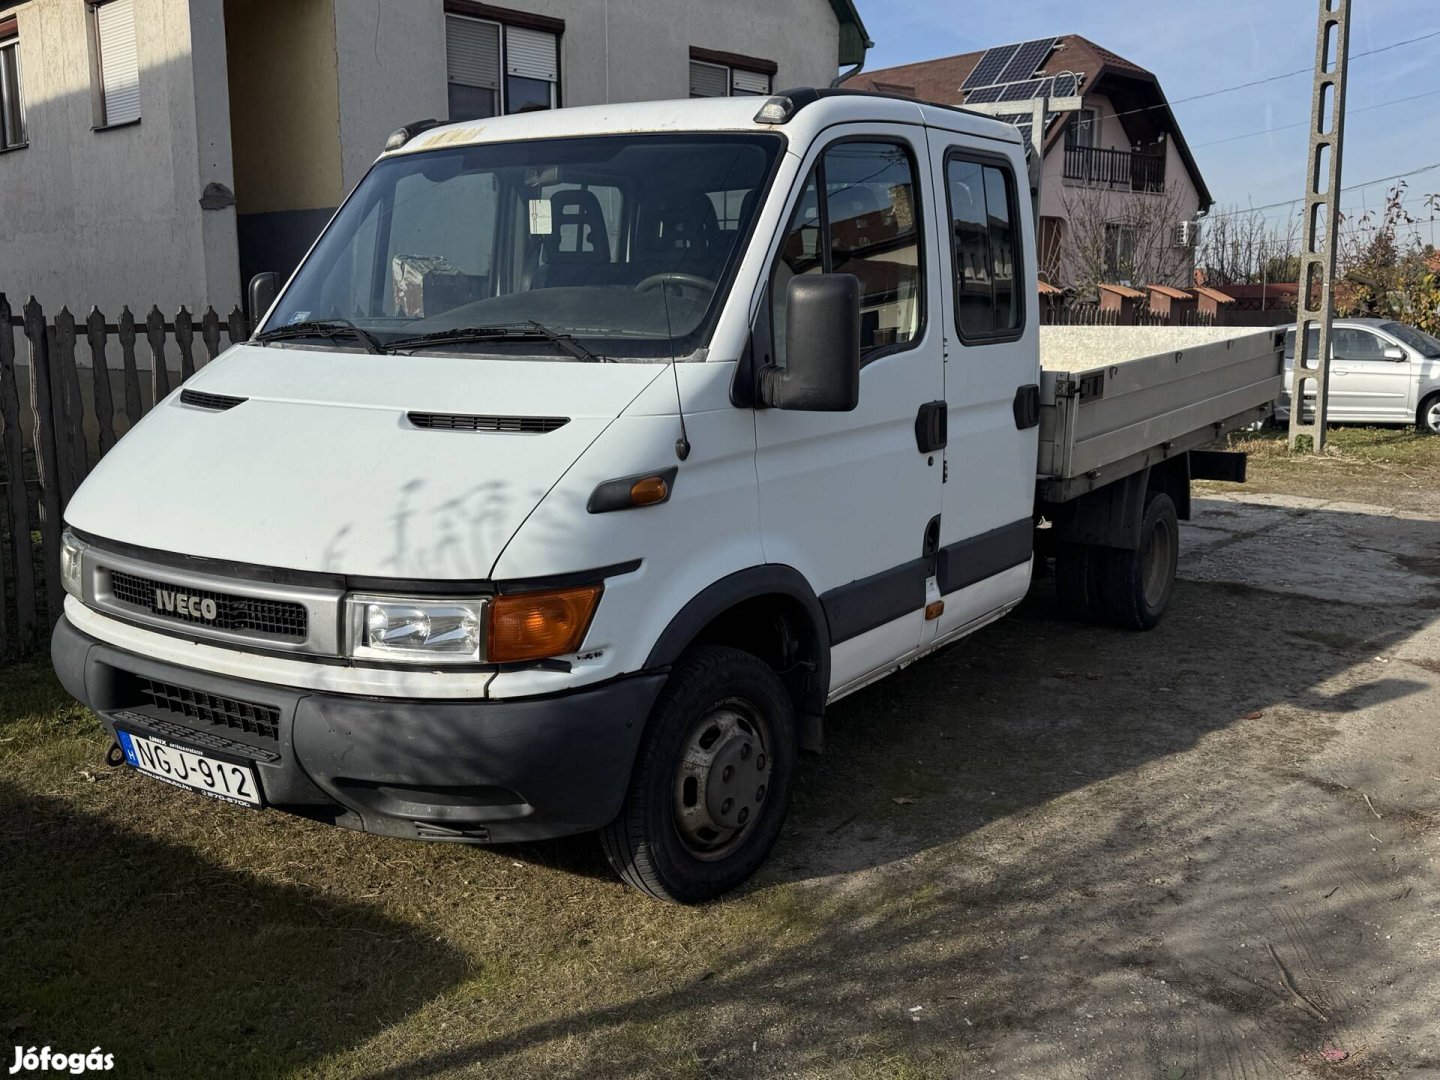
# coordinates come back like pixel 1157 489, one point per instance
pixel 1053 851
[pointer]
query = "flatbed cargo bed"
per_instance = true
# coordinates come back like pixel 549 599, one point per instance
pixel 1114 400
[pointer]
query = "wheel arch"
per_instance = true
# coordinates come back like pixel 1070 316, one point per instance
pixel 768 611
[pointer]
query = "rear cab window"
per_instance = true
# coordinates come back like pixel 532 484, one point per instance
pixel 985 242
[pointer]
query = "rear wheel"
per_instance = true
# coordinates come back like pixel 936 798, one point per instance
pixel 712 780
pixel 1138 584
pixel 1428 418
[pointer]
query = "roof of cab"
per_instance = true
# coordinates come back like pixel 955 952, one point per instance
pixel 815 111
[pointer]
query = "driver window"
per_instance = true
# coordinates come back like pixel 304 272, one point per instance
pixel 858 214
pixel 1352 344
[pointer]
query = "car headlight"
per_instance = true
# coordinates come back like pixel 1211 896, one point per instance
pixel 72 551
pixel 418 630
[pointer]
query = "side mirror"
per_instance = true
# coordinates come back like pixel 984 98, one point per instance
pixel 263 288
pixel 1394 352
pixel 822 347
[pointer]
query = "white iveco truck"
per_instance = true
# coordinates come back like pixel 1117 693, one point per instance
pixel 590 454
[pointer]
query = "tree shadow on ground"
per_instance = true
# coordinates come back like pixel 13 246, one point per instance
pixel 182 968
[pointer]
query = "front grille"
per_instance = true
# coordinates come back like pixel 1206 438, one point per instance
pixel 202 400
pixel 508 425
pixel 261 720
pixel 189 736
pixel 281 618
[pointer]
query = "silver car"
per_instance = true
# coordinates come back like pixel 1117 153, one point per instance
pixel 1381 372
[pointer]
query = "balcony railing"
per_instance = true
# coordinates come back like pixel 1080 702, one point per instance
pixel 1115 168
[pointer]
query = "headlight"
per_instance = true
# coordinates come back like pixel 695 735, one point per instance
pixel 421 630
pixel 71 550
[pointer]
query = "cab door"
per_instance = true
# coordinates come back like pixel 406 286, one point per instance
pixel 992 375
pixel 849 499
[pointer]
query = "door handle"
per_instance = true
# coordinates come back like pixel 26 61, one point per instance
pixel 932 427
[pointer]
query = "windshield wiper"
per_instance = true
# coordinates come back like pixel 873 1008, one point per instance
pixel 328 328
pixel 527 331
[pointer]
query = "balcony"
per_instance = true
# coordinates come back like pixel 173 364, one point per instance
pixel 1125 170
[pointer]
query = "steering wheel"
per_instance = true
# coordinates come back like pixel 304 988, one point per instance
pixel 675 277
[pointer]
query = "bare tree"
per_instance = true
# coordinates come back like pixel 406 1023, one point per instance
pixel 1113 236
pixel 1239 247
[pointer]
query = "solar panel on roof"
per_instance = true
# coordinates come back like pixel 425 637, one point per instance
pixel 985 93
pixel 1027 60
pixel 987 71
pixel 1021 91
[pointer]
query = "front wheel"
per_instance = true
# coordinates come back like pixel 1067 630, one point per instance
pixel 1428 418
pixel 712 779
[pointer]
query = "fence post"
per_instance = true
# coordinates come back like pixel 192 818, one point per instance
pixel 42 405
pixel 133 410
pixel 104 402
pixel 22 555
pixel 238 329
pixel 210 332
pixel 184 336
pixel 159 374
pixel 72 423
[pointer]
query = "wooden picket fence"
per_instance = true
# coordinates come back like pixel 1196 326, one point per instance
pixel 41 467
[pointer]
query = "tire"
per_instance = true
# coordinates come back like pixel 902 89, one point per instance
pixel 1427 418
pixel 696 821
pixel 1138 584
pixel 1078 581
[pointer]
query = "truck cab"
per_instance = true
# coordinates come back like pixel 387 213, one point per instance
pixel 586 458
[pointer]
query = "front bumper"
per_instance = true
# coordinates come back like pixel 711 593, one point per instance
pixel 466 771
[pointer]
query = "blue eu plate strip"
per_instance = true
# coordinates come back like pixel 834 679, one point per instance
pixel 129 748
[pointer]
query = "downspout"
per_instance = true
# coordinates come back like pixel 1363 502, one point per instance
pixel 859 66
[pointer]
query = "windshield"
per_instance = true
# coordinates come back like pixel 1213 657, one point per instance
pixel 624 243
pixel 1418 340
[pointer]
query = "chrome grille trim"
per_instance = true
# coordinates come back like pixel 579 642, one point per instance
pixel 321 607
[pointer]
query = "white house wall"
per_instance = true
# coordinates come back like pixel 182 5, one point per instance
pixel 113 217
pixel 392 54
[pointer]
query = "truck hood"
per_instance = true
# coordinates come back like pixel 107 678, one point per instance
pixel 320 468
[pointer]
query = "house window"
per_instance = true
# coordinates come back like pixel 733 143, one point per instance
pixel 115 63
pixel 858 215
pixel 12 104
pixel 1119 253
pixel 715 74
pixel 1081 131
pixel 496 67
pixel 985 228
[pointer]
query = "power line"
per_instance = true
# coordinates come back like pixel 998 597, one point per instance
pixel 1306 123
pixel 1350 187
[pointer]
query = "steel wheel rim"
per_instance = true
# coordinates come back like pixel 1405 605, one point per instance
pixel 1432 417
pixel 1160 549
pixel 722 780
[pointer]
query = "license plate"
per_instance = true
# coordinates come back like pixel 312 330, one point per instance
pixel 190 769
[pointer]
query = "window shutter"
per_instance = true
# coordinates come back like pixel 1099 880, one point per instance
pixel 708 80
pixel 472 52
pixel 751 82
pixel 532 54
pixel 119 61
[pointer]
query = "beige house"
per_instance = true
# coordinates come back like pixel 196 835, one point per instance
pixel 162 151
pixel 1121 196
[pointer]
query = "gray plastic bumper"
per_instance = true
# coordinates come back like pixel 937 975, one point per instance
pixel 468 771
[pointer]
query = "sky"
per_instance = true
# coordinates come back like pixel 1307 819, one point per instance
pixel 1196 48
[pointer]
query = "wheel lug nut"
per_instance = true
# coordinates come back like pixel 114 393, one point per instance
pixel 760 793
pixel 728 773
pixel 726 806
pixel 745 752
pixel 744 815
pixel 760 761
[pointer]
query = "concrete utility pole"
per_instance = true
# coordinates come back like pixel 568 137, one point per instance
pixel 1322 222
pixel 1040 107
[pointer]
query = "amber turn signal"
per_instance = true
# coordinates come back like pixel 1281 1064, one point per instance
pixel 934 610
pixel 649 491
pixel 534 625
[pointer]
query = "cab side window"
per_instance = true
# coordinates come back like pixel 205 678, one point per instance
pixel 985 234
pixel 859 214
